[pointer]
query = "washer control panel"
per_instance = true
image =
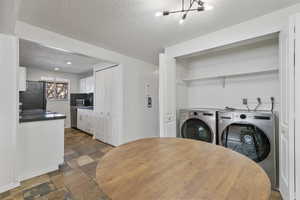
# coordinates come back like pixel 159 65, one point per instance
pixel 238 116
pixel 242 116
pixel 201 113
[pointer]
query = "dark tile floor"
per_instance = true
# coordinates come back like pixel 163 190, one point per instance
pixel 75 180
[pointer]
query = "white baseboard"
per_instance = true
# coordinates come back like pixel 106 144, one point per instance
pixel 9 187
pixel 38 173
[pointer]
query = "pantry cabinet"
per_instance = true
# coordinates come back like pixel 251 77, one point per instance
pixel 82 85
pixel 87 85
pixel 85 120
pixel 108 106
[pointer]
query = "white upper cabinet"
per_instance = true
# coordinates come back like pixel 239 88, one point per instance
pixel 82 85
pixel 22 79
pixel 87 85
pixel 90 84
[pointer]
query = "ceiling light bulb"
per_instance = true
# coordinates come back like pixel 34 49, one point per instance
pixel 208 7
pixel 158 14
pixel 69 63
pixel 181 21
pixel 56 69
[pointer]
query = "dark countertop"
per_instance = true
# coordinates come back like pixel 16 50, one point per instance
pixel 39 115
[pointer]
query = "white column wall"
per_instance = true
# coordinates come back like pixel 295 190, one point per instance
pixel 8 111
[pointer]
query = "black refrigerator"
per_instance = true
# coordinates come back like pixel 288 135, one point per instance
pixel 34 98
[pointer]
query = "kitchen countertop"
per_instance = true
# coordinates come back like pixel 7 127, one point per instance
pixel 39 115
pixel 86 107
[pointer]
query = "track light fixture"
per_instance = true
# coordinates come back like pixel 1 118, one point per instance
pixel 187 7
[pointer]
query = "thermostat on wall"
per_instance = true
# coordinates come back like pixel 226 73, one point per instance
pixel 148 95
pixel 149 102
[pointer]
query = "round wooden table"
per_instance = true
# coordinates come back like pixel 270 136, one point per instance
pixel 180 169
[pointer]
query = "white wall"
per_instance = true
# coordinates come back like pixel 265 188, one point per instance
pixel 260 26
pixel 35 74
pixel 48 38
pixel 209 93
pixel 140 123
pixel 181 87
pixel 8 111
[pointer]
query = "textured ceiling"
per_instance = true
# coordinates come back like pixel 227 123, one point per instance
pixel 37 56
pixel 130 27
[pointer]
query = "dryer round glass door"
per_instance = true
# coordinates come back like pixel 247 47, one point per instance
pixel 248 140
pixel 196 129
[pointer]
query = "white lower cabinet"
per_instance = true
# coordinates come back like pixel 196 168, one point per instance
pixel 80 120
pixel 85 120
pixel 41 147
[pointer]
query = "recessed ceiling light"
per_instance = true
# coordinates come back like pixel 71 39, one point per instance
pixel 69 63
pixel 56 69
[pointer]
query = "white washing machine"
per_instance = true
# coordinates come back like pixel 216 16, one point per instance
pixel 251 134
pixel 198 124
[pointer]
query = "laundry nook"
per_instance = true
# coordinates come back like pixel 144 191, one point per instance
pixel 233 92
pixel 229 96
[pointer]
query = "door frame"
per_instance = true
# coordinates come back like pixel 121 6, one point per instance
pixel 297 106
pixel 295 112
